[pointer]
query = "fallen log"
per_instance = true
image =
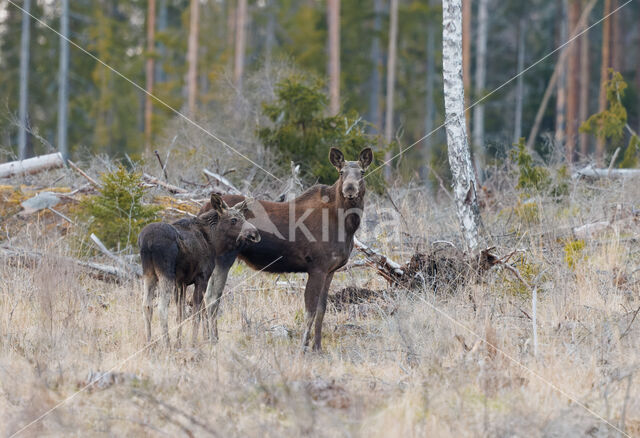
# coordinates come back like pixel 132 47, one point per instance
pixel 99 271
pixel 131 267
pixel 594 172
pixel 31 165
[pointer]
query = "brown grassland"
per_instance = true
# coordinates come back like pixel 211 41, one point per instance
pixel 404 363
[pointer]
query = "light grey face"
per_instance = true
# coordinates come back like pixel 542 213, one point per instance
pixel 352 176
pixel 351 172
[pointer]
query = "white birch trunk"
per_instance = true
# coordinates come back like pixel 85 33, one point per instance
pixel 31 165
pixel 391 79
pixel 63 81
pixel 333 19
pixel 517 130
pixel 192 57
pixel 241 42
pixel 464 182
pixel 480 81
pixel 24 79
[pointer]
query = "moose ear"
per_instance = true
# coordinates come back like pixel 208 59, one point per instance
pixel 242 207
pixel 336 157
pixel 365 158
pixel 218 204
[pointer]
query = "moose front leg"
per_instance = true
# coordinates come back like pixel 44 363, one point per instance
pixel 312 292
pixel 215 287
pixel 322 306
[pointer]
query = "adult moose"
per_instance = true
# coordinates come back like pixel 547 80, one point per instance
pixel 184 252
pixel 312 233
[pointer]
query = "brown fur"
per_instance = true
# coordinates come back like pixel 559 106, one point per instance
pixel 332 217
pixel 183 253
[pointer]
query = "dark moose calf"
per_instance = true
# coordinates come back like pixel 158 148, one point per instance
pixel 312 233
pixel 184 252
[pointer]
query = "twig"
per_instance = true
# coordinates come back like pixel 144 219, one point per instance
pixel 222 181
pixel 630 324
pixel 162 166
pixel 170 187
pixel 62 216
pixel 444 189
pixel 133 268
pixel 613 159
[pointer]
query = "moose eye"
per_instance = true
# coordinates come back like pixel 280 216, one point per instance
pixel 234 221
pixel 362 172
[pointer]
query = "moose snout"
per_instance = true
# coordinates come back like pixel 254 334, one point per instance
pixel 250 234
pixel 350 191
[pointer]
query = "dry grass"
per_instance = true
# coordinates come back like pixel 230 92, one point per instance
pixel 399 370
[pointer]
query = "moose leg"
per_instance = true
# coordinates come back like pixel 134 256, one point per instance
pixel 312 292
pixel 198 292
pixel 166 290
pixel 212 297
pixel 322 306
pixel 150 283
pixel 181 290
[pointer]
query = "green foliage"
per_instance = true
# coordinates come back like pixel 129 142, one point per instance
pixel 528 270
pixel 117 214
pixel 527 212
pixel 573 250
pixel 301 133
pixel 610 123
pixel 630 158
pixel 532 178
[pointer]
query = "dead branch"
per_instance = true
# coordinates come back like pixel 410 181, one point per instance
pixel 92 181
pixel 162 166
pixel 224 182
pixel 169 187
pixel 135 269
pixel 594 172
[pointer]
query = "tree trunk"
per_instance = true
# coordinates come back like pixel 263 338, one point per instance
pixel 24 79
pixel 517 129
pixel 561 93
pixel 573 83
pixel 464 183
pixel 63 81
pixel 148 106
pixel 554 77
pixel 430 107
pixel 192 57
pixel 333 19
pixel 160 75
pixel 604 73
pixel 376 61
pixel 585 82
pixel 480 79
pixel 270 37
pixel 31 165
pixel 616 38
pixel 638 73
pixel 466 56
pixel 241 43
pixel 391 80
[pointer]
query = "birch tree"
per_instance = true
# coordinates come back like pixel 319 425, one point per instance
pixel 192 57
pixel 517 129
pixel 391 80
pixel 466 54
pixel 63 81
pixel 24 79
pixel 333 19
pixel 148 107
pixel 585 80
pixel 241 43
pixel 480 79
pixel 464 182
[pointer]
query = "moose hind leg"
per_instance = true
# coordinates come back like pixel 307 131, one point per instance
pixel 198 293
pixel 181 290
pixel 322 306
pixel 166 290
pixel 150 283
pixel 312 291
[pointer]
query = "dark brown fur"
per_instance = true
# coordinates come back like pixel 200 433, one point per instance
pixel 338 207
pixel 183 253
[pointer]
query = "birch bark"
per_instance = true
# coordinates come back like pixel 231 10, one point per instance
pixel 464 182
